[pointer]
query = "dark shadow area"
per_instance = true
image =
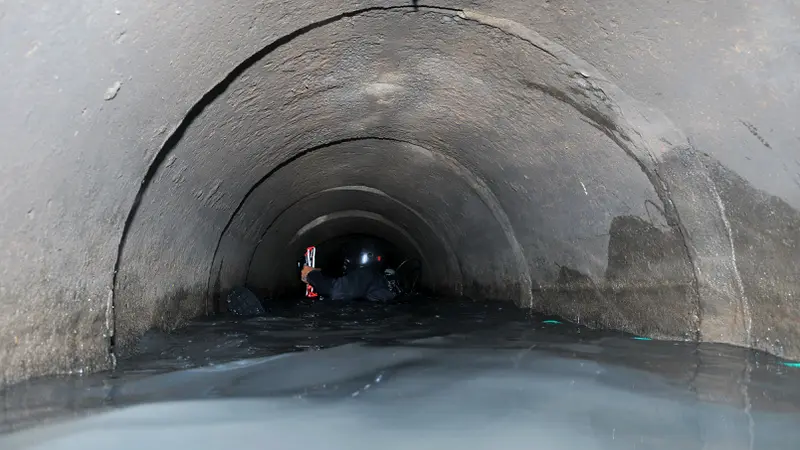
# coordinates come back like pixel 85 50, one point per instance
pixel 332 253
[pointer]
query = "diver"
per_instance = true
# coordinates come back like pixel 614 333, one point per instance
pixel 363 278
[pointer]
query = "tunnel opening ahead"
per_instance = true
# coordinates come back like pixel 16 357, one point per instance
pixel 519 174
pixel 336 256
pixel 333 252
pixel 510 178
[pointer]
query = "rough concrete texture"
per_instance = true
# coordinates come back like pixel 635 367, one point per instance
pixel 626 165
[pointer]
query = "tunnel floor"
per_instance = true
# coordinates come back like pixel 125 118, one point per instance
pixel 311 353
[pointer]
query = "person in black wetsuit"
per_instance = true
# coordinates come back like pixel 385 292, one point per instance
pixel 363 279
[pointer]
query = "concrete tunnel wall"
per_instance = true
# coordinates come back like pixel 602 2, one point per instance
pixel 624 165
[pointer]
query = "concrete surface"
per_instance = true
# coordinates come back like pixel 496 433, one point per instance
pixel 633 166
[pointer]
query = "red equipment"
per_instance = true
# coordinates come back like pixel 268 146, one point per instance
pixel 311 261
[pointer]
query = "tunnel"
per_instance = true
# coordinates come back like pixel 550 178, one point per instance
pixel 627 166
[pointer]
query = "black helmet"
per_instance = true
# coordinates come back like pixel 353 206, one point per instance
pixel 364 254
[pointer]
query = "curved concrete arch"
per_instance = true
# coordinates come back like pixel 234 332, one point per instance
pixel 120 172
pixel 591 94
pixel 521 279
pixel 350 214
pixel 587 102
pixel 658 146
pixel 209 96
pixel 478 186
pixel 335 153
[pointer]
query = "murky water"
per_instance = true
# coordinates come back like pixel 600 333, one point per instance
pixel 424 375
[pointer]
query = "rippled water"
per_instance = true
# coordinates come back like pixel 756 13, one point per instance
pixel 306 325
pixel 526 381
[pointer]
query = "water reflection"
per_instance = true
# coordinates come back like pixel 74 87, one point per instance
pixel 431 353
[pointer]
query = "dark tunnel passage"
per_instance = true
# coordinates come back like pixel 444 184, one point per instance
pixel 550 157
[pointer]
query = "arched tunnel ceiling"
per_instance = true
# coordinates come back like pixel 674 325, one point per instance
pixel 518 142
pixel 423 90
pixel 455 218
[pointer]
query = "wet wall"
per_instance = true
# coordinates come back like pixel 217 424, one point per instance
pixel 624 166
